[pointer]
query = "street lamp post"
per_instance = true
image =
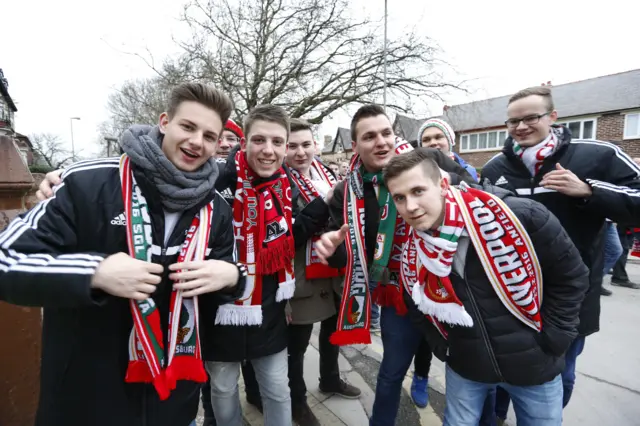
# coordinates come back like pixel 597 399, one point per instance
pixel 384 90
pixel 109 141
pixel 73 148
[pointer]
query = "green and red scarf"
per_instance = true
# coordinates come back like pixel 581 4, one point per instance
pixel 262 221
pixel 315 269
pixel 503 246
pixel 355 314
pixel 148 362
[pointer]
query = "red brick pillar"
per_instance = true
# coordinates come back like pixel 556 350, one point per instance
pixel 20 327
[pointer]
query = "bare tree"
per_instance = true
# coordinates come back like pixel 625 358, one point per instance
pixel 309 56
pixel 50 150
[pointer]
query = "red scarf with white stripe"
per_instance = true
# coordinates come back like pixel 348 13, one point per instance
pixel 147 362
pixel 314 268
pixel 262 221
pixel 354 316
pixel 503 246
pixel 534 156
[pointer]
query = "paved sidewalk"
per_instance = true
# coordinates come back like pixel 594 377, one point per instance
pixel 337 411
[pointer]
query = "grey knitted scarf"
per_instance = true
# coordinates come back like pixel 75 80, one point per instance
pixel 179 190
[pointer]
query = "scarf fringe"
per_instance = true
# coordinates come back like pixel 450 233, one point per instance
pixel 138 372
pixel 451 313
pixel 239 315
pixel 351 337
pixel 389 296
pixel 286 290
pixel 185 368
pixel 279 256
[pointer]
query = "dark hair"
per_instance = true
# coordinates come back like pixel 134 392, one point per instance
pixel 542 91
pixel 299 124
pixel 270 113
pixel 407 161
pixel 334 163
pixel 365 111
pixel 203 94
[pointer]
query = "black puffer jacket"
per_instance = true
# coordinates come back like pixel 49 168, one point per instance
pixel 48 258
pixel 238 343
pixel 500 348
pixel 615 182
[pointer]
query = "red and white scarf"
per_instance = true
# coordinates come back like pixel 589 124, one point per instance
pixel 503 246
pixel 534 156
pixel 354 316
pixel 315 269
pixel 147 361
pixel 262 221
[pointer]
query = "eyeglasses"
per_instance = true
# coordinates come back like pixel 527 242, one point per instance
pixel 231 139
pixel 529 120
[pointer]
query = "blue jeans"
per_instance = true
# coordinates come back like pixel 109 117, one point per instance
pixel 569 373
pixel 400 340
pixel 271 373
pixel 568 379
pixel 612 247
pixel 539 405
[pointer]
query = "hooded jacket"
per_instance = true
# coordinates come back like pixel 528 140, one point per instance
pixel 498 347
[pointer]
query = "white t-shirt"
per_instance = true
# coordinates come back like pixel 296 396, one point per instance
pixel 170 221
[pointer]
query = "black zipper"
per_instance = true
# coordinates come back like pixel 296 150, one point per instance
pixel 485 335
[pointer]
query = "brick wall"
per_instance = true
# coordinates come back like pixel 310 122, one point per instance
pixel 611 129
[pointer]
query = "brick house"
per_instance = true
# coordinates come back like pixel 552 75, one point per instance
pixel 605 108
pixel 7 122
pixel 407 128
pixel 339 148
pixel 7 107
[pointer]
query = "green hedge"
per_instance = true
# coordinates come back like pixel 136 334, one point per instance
pixel 40 169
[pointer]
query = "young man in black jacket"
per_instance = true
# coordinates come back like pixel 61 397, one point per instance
pixel 495 283
pixel 582 182
pixel 364 217
pixel 123 247
pixel 254 328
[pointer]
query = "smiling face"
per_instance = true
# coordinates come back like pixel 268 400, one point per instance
pixel 190 135
pixel 433 137
pixel 266 147
pixel 301 150
pixel 227 141
pixel 535 108
pixel 374 142
pixel 419 198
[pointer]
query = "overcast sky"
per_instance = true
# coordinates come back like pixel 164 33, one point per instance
pixel 63 58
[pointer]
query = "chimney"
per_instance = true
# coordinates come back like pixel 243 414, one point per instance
pixel 445 108
pixel 327 140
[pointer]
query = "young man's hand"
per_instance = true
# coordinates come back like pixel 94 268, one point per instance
pixel 204 276
pixel 565 182
pixel 123 276
pixel 50 180
pixel 329 242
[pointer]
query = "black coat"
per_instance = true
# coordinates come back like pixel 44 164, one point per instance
pixel 500 348
pixel 237 343
pixel 615 181
pixel 85 332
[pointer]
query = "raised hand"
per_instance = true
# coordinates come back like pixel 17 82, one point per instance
pixel 329 242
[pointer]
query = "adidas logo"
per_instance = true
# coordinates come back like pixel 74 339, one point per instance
pixel 119 220
pixel 502 181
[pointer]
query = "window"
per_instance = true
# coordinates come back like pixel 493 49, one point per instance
pixel 632 126
pixel 581 129
pixel 485 141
